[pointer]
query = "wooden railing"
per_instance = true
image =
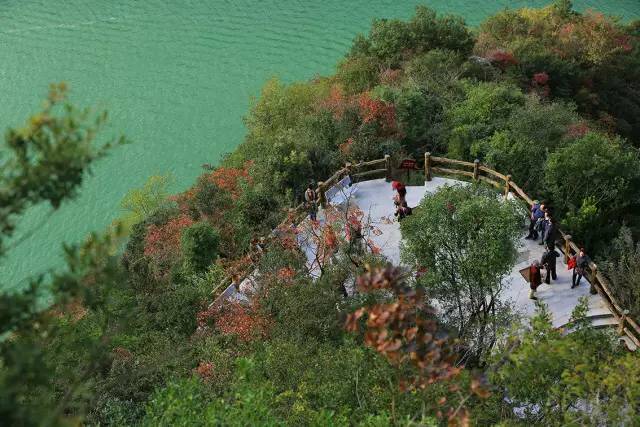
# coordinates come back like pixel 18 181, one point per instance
pixel 474 171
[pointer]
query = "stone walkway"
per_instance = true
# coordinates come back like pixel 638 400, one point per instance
pixel 375 200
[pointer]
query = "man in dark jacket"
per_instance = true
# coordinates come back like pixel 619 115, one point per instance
pixel 550 233
pixel 536 214
pixel 549 262
pixel 582 263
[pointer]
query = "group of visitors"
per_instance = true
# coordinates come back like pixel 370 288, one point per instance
pixel 400 200
pixel 402 209
pixel 543 224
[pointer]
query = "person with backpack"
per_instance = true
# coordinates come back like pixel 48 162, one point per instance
pixel 311 202
pixel 535 279
pixel 535 216
pixel 549 262
pixel 580 262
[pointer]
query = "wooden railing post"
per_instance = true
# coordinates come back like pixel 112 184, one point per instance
pixel 594 274
pixel 567 248
pixel 506 185
pixel 476 169
pixel 321 196
pixel 387 166
pixel 348 167
pixel 623 319
pixel 427 166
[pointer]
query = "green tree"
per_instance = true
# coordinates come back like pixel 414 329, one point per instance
pixel 199 244
pixel 596 168
pixel 530 133
pixel 140 203
pixel 46 161
pixel 557 379
pixel 465 237
pixel 485 110
pixel 623 269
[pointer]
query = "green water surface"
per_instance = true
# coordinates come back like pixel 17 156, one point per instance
pixel 176 77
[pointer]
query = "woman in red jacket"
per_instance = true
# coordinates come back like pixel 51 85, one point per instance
pixel 535 279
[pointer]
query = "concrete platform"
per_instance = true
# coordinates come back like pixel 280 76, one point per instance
pixel 373 201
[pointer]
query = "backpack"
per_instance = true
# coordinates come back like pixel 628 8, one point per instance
pixel 571 264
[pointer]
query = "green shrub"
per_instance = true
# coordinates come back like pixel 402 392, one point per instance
pixel 199 244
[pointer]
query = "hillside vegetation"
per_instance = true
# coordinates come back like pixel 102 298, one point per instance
pixel 549 96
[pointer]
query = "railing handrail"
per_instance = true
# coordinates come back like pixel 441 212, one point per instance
pixel 478 172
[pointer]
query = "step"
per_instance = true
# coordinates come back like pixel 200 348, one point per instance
pixel 598 312
pixel 604 322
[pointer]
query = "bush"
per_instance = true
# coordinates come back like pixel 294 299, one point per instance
pixel 597 169
pixel 199 244
pixel 623 268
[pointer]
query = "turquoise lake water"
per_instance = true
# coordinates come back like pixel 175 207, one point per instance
pixel 176 77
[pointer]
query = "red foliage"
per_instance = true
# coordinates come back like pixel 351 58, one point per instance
pixel 337 102
pixel 205 370
pixel 184 199
pixel 242 321
pixel 405 333
pixel 540 84
pixel 624 42
pixel 229 178
pixel 577 130
pixel 286 274
pixel 502 58
pixel 162 242
pixel 541 78
pixel 376 110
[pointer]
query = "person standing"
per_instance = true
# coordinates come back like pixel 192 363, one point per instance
pixel 535 279
pixel 549 262
pixel 536 214
pixel 401 193
pixel 403 211
pixel 582 262
pixel 550 231
pixel 310 199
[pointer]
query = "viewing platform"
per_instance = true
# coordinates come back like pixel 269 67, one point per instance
pixel 372 199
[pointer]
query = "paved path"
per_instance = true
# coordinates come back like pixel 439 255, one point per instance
pixel 374 200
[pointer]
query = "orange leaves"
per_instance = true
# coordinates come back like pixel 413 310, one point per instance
pixel 244 322
pixel 405 333
pixel 376 110
pixel 229 179
pixel 286 274
pixel 162 242
pixel 369 109
pixel 205 370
